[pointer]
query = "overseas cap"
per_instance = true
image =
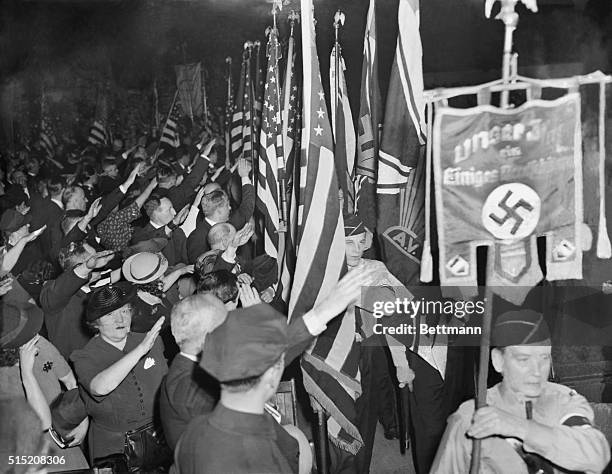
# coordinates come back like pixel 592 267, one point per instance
pixel 516 328
pixel 247 344
pixel 353 225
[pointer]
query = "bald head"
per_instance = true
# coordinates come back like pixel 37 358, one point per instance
pixel 193 318
pixel 210 187
pixel 221 235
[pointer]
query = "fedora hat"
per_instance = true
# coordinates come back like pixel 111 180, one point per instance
pixel 108 299
pixel 144 267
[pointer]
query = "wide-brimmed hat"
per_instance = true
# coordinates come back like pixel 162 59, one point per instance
pixel 18 324
pixel 144 267
pixel 13 220
pixel 109 298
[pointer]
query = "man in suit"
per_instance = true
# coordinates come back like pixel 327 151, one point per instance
pixel 63 300
pixel 188 391
pixel 164 223
pixel 182 194
pixel 216 208
pixel 49 211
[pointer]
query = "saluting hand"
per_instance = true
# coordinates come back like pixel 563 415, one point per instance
pixel 27 354
pixel 248 295
pixel 100 259
pixel 147 343
pixel 346 292
pixel 33 235
pixel 181 216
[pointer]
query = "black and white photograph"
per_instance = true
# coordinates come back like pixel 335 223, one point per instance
pixel 305 236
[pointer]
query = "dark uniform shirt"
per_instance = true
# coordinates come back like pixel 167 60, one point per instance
pixel 131 404
pixel 228 441
pixel 187 391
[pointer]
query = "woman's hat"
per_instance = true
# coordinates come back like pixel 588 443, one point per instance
pixel 144 267
pixel 108 299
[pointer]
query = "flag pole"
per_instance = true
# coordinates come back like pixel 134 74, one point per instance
pixel 509 16
pixel 204 97
pixel 228 113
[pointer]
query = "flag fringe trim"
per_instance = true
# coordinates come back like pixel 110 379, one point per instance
pixel 322 366
pixel 314 390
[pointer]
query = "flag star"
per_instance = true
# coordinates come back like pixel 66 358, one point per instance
pixel 294 88
pixel 276 118
pixel 320 113
pixel 318 130
pixel 272 80
pixel 321 95
pixel 269 135
pixel 271 69
pixel 270 107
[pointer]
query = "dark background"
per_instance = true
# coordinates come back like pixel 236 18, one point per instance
pixel 53 42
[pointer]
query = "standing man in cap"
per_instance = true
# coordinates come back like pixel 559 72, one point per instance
pixel 529 423
pixel 377 400
pixel 246 354
pixel 187 390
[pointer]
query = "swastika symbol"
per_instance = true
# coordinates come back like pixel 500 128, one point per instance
pixel 511 211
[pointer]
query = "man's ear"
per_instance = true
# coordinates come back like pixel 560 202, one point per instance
pixel 369 237
pixel 497 359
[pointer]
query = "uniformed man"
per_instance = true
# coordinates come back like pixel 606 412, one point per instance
pixel 246 355
pixel 530 424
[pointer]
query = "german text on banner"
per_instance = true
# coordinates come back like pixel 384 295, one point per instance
pixel 502 178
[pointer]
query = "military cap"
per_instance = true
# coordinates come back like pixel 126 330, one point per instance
pixel 247 344
pixel 516 328
pixel 353 225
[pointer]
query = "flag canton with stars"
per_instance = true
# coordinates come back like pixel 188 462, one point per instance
pixel 321 129
pixel 271 125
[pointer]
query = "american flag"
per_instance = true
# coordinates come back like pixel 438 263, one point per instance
pixel 238 115
pixel 260 76
pixel 170 132
pixel 291 125
pixel 331 367
pixel 48 141
pixel 370 112
pixel 344 132
pixel 97 133
pixel 247 115
pixel 271 152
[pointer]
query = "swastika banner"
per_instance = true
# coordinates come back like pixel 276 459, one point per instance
pixel 502 178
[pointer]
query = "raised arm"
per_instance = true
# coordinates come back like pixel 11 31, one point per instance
pixel 109 379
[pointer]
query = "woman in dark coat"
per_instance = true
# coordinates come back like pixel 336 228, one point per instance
pixel 119 372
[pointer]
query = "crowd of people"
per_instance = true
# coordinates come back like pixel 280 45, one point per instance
pixel 144 332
